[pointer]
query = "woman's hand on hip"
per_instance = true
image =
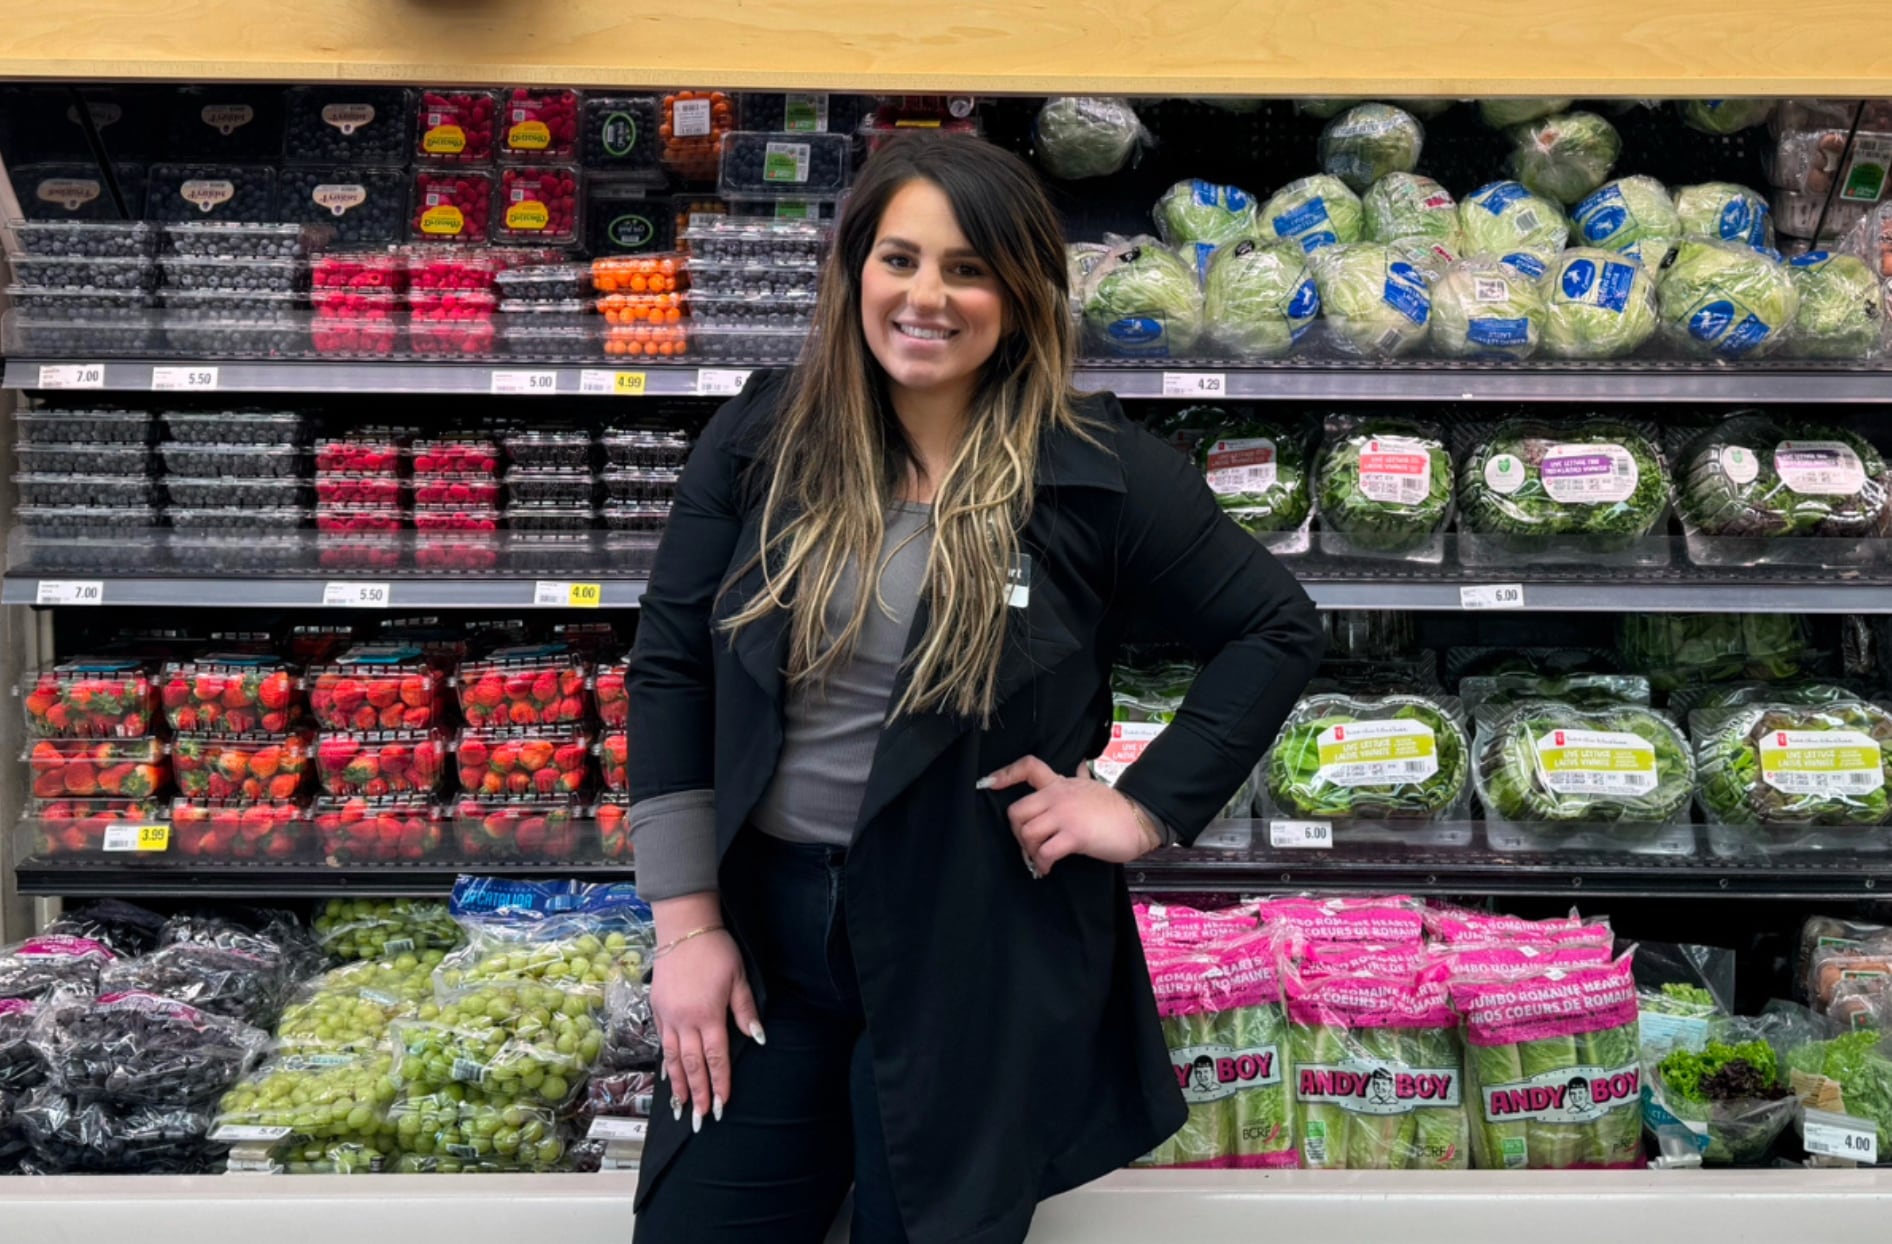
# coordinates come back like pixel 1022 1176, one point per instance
pixel 697 983
pixel 1072 816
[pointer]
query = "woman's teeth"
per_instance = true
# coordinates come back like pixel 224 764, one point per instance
pixel 924 334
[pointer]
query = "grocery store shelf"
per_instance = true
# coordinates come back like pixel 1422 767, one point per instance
pixel 183 878
pixel 522 378
pixel 344 590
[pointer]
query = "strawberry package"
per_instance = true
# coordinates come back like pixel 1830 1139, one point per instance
pixel 614 827
pixel 522 762
pixel 78 826
pixel 223 829
pixel 613 755
pixel 247 768
pixel 382 762
pixel 614 701
pixel 113 768
pixel 231 693
pixel 359 830
pixel 92 698
pixel 525 685
pixel 516 829
pixel 379 687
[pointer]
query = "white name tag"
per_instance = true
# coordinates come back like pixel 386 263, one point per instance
pixel 1018 583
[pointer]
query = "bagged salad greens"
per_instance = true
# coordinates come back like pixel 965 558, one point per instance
pixel 1370 141
pixel 1314 212
pixel 1634 216
pixel 1501 114
pixel 1545 761
pixel 1793 764
pixel 1258 298
pixel 1758 476
pixel 1375 300
pixel 1677 649
pixel 1529 481
pixel 1725 116
pixel 1726 300
pixel 1258 471
pixel 1602 305
pixel 1385 484
pixel 1142 300
pixel 1554 1062
pixel 1729 1096
pixel 1396 756
pixel 1485 308
pixel 1410 210
pixel 1565 156
pixel 1077 136
pixel 1849 1074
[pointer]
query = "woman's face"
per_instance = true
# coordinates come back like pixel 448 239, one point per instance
pixel 932 309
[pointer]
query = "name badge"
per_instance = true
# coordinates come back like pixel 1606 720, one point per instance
pixel 1018 583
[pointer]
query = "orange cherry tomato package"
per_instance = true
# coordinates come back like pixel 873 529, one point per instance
pixel 360 830
pixel 691 131
pixel 92 698
pixel 252 768
pixel 239 830
pixel 517 829
pixel 379 687
pixel 525 685
pixel 382 762
pixel 231 693
pixel 524 761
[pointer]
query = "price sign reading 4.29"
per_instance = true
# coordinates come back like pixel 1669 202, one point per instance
pixel 1194 384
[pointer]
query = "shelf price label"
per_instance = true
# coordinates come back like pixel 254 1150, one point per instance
pixel 557 594
pixel 525 383
pixel 141 838
pixel 1831 1135
pixel 619 1129
pixel 614 383
pixel 69 592
pixel 1491 596
pixel 72 376
pixel 183 379
pixel 720 382
pixel 238 1133
pixel 350 595
pixel 1194 384
pixel 1301 835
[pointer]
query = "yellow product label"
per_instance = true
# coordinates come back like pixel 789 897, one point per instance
pixel 529 136
pixel 629 383
pixel 147 838
pixel 1589 762
pixel 154 837
pixel 528 216
pixel 586 595
pixel 444 140
pixel 443 221
pixel 1378 753
pixel 1821 762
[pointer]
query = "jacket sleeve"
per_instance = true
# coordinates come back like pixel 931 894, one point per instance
pixel 1187 565
pixel 671 684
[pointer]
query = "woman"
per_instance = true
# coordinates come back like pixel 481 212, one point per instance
pixel 858 978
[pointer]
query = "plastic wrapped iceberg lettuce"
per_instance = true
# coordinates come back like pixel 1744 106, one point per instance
pixel 1725 116
pixel 1505 216
pixel 1314 212
pixel 1485 308
pixel 1369 141
pixel 1725 299
pixel 1721 209
pixel 1842 307
pixel 1501 114
pixel 1258 299
pixel 1566 156
pixel 1410 210
pixel 1202 214
pixel 1077 136
pixel 1631 215
pixel 1142 301
pixel 1324 108
pixel 1602 305
pixel 1374 298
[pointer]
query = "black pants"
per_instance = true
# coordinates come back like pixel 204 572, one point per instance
pixel 803 1120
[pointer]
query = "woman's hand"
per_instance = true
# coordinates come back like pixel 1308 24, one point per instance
pixel 1072 816
pixel 695 986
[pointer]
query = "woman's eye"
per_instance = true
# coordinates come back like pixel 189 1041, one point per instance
pixel 897 261
pixel 971 272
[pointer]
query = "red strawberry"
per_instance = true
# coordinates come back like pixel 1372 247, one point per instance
pixel 545 687
pixel 384 691
pixel 177 693
pixel 236 694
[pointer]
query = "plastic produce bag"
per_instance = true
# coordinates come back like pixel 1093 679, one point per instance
pixel 1368 142
pixel 513 1040
pixel 1555 1063
pixel 1393 756
pixel 1144 702
pixel 1374 299
pixel 377 928
pixel 1078 136
pixel 468 1132
pixel 70 1138
pixel 1758 476
pixel 1728 1096
pixel 1726 300
pixel 1501 114
pixel 1871 240
pixel 577 944
pixel 1634 216
pixel 1314 212
pixel 1375 919
pixel 1721 209
pixel 333 1104
pixel 1196 216
pixel 353 1008
pixel 1467 927
pixel 1258 471
pixel 1850 1074
pixel 1836 971
pixel 1504 216
pixel 1384 485
pixel 1493 694
pixel 1544 761
pixel 1786 764
pixel 1565 156
pixel 1676 649
pixel 1834 933
pixel 1725 116
pixel 40 968
pixel 1143 301
pixel 137 1049
pixel 1406 209
pixel 22 1065
pixel 125 929
pixel 1484 308
pixel 1595 486
pixel 1258 299
pixel 1602 305
pixel 631 1039
pixel 222 982
pixel 1842 307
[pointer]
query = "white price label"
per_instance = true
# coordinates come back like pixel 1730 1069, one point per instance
pixel 534 383
pixel 1301 835
pixel 619 1129
pixel 355 595
pixel 1194 384
pixel 182 379
pixel 1832 1135
pixel 69 592
pixel 238 1132
pixel 72 376
pixel 720 382
pixel 1491 596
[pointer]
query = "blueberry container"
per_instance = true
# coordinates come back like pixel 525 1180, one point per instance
pixel 345 205
pixel 227 123
pixel 545 282
pixel 550 517
pixel 643 516
pixel 83 427
pixel 210 192
pixel 645 484
pixel 235 427
pixel 553 342
pixel 749 241
pixel 78 191
pixel 78 522
pixel 85 490
pixel 118 275
pixel 77 302
pixel 347 125
pixel 621 218
pixel 759 165
pixel 644 447
pixel 236 240
pixel 207 305
pixel 220 493
pixel 748 345
pixel 243 276
pixel 100 332
pixel 548 448
pixel 247 461
pixel 736 311
pixel 121 459
pixel 84 239
pixel 808 113
pixel 238 518
pixel 554 488
pixel 565 313
pixel 211 332
pixel 710 279
pixel 621 135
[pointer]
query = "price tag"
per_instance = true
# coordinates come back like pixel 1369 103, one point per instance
pixel 619 1129
pixel 548 593
pixel 720 382
pixel 355 595
pixel 69 592
pixel 1491 596
pixel 1832 1135
pixel 613 383
pixel 1301 835
pixel 1194 384
pixel 151 838
pixel 517 383
pixel 72 376
pixel 1225 838
pixel 176 379
pixel 240 1132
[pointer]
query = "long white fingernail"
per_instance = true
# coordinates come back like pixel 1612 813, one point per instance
pixel 755 1031
pixel 987 782
pixel 662 1072
pixel 676 1109
pixel 696 1121
pixel 716 1107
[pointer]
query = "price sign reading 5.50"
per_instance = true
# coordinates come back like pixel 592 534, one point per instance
pixel 183 379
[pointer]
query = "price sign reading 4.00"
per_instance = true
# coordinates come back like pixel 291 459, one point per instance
pixel 1831 1135
pixel 557 594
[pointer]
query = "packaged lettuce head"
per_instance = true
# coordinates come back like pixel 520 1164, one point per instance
pixel 1486 309
pixel 1555 1068
pixel 1314 212
pixel 1078 136
pixel 1373 298
pixel 1632 215
pixel 1080 260
pixel 1758 476
pixel 1725 116
pixel 1676 649
pixel 1545 761
pixel 1405 208
pixel 1378 1070
pixel 1396 756
pixel 1502 114
pixel 1202 213
pixel 1842 308
pixel 1258 299
pixel 1386 484
pixel 1725 300
pixel 1297 921
pixel 1142 301
pixel 1721 209
pixel 1504 216
pixel 1144 700
pixel 1597 478
pixel 1323 109
pixel 1565 156
pixel 1730 1095
pixel 1258 471
pixel 1793 764
pixel 1602 305
pixel 1369 141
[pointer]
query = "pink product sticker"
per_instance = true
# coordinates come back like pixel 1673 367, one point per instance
pixel 18 1006
pixel 1556 1003
pixel 61 946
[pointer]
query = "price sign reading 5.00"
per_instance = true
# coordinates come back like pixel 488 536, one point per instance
pixel 525 383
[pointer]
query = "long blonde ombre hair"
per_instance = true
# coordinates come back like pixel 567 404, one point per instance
pixel 837 454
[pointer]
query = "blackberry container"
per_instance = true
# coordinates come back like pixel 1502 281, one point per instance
pixel 82 239
pixel 227 123
pixel 641 484
pixel 549 449
pixel 86 459
pixel 83 427
pixel 345 205
pixel 537 487
pixel 644 447
pixel 347 125
pixel 210 192
pixel 236 240
pixel 102 491
pixel 235 427
pixel 77 191
pixel 622 218
pixel 247 461
pixel 636 516
pixel 240 276
pixel 621 135
pixel 787 166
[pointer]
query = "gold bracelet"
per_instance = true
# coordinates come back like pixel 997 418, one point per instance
pixel 1143 820
pixel 675 942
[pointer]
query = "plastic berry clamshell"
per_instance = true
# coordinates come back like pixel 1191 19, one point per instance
pixel 84 239
pixel 231 693
pixel 218 239
pixel 644 447
pixel 92 491
pixel 627 218
pixel 381 762
pixel 97 768
pixel 334 488
pixel 230 520
pixel 471 520
pixel 522 761
pixel 546 282
pixel 210 192
pixel 349 205
pixel 247 461
pixel 346 519
pixel 100 528
pixel 347 125
pixel 524 685
pixel 235 427
pixel 216 492
pixel 538 124
pixel 443 331
pixel 75 825
pixel 92 698
pixel 641 484
pixel 379 687
pixel 536 486
pixel 614 759
pixel 76 306
pixel 557 342
pixel 614 702
pixel 454 455
pixel 570 519
pixel 748 345
pixel 360 830
pixel 104 459
pixel 548 448
pixel 376 334
pixel 454 125
pixel 758 282
pixel 440 268
pixel 360 455
pixel 240 829
pixel 246 767
pixel 638 274
pixel 749 241
pixel 378 272
pixel 613 815
pixel 785 165
pixel 119 276
pixel 450 205
pixel 621 134
pixel 517 829
pixel 83 427
pixel 253 276
pixel 537 204
pixel 454 491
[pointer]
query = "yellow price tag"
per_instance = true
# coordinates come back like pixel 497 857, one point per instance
pixel 629 384
pixel 154 837
pixel 585 595
pixel 151 838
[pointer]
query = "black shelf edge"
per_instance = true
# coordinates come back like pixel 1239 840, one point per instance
pixel 184 878
pixel 404 590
